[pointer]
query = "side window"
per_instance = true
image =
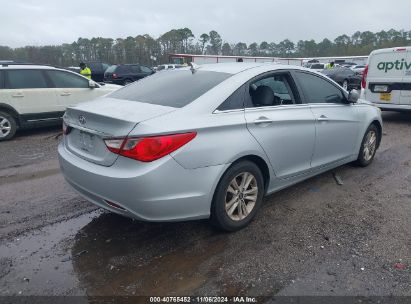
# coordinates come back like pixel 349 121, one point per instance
pixel 135 69
pixel 272 90
pixel 26 79
pixel 67 80
pixel 125 69
pixel 145 69
pixel 318 90
pixel 235 101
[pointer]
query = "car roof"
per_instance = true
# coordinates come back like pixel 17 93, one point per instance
pixel 398 49
pixel 238 67
pixel 6 66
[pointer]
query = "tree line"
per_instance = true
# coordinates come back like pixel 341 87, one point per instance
pixel 148 50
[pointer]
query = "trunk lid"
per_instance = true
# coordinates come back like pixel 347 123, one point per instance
pixel 92 122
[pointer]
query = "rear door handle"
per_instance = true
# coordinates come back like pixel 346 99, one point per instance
pixel 65 94
pixel 263 121
pixel 18 95
pixel 322 118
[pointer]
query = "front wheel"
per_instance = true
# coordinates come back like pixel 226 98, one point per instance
pixel 238 197
pixel 8 126
pixel 368 146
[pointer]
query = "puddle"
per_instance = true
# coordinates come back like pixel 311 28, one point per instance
pixel 133 258
pixel 32 263
pixel 103 254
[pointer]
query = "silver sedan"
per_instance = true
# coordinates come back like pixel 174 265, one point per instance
pixel 212 141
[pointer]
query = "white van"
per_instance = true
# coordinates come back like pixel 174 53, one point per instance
pixel 387 79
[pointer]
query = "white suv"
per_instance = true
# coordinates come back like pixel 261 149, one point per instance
pixel 36 95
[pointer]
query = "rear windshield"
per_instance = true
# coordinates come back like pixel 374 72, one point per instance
pixel 317 66
pixel 111 69
pixel 173 88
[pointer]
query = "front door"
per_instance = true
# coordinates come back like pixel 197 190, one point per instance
pixel 337 122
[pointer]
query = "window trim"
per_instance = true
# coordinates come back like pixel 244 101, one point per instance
pixel 291 83
pixel 42 72
pixel 303 93
pixel 53 85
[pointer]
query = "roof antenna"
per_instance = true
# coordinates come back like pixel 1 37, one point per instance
pixel 193 67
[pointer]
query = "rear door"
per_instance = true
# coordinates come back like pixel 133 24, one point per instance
pixel 406 81
pixel 71 88
pixel 31 94
pixel 285 128
pixel 337 122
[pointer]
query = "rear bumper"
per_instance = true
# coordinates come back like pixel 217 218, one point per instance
pixel 393 107
pixel 159 191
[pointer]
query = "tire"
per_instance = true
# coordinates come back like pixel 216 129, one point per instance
pixel 369 146
pixel 128 81
pixel 243 208
pixel 345 84
pixel 8 126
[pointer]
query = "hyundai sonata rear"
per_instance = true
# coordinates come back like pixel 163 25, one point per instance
pixel 210 142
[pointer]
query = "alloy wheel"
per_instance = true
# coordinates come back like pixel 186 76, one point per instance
pixel 345 85
pixel 5 127
pixel 241 196
pixel 370 145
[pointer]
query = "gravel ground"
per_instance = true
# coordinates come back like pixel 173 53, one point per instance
pixel 315 238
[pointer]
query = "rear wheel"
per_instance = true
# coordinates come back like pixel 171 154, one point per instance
pixel 238 197
pixel 368 146
pixel 8 126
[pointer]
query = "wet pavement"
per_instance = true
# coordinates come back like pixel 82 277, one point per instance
pixel 315 238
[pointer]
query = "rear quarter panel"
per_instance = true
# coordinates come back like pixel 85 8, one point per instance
pixel 221 138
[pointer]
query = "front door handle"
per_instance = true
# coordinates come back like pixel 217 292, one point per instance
pixel 323 118
pixel 263 121
pixel 18 95
pixel 65 94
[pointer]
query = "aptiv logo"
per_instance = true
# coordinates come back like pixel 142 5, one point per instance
pixel 397 65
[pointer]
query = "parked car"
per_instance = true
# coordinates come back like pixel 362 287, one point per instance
pixel 212 141
pixel 97 69
pixel 318 67
pixel 162 67
pixel 33 95
pixel 359 68
pixel 124 74
pixel 387 79
pixel 347 64
pixel 345 77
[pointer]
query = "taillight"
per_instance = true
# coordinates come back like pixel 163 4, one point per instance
pixel 148 149
pixel 114 75
pixel 364 77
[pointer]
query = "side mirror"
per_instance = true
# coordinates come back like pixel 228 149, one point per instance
pixel 92 84
pixel 353 96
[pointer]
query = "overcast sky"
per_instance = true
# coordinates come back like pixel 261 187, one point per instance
pixel 39 22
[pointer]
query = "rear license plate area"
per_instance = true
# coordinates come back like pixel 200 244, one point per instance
pixel 86 141
pixel 385 97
